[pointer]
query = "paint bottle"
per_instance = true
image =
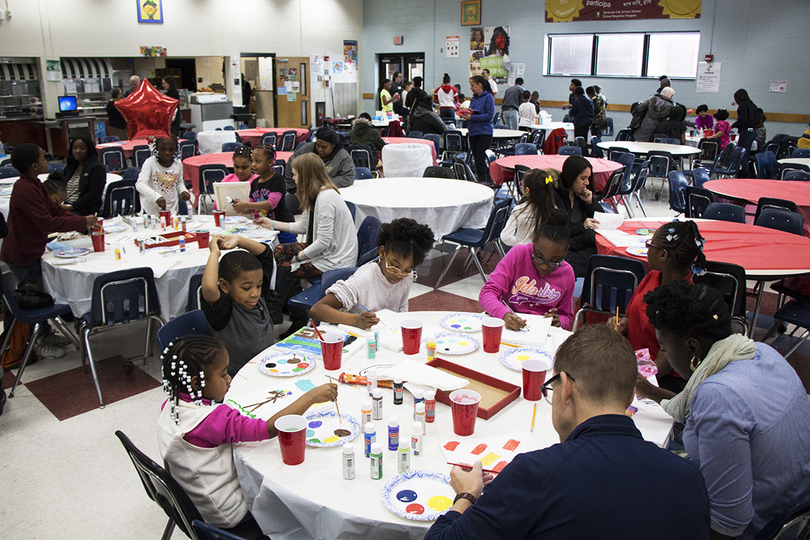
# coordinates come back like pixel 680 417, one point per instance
pixel 118 254
pixel 162 222
pixel 416 438
pixel 377 405
pixel 366 412
pixel 404 457
pixel 183 225
pixel 348 461
pixel 371 341
pixel 431 350
pixel 393 433
pixel 376 461
pixel 146 220
pixel 175 225
pixel 141 246
pixel 182 244
pixel 430 406
pixel 135 224
pixel 369 438
pixel 419 414
pixel 371 377
pixel 398 390
pixel 418 397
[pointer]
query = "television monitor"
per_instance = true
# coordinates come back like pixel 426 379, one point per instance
pixel 67 103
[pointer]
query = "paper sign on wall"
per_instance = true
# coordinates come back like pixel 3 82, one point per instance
pixel 708 78
pixel 451 46
pixel 778 86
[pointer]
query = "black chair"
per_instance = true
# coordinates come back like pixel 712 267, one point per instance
pixel 796 312
pixel 288 141
pixel 121 198
pixel 438 172
pixel 781 220
pixel 569 151
pixel 195 292
pixel 189 135
pixel 462 170
pixel 538 138
pixel 697 200
pixel 311 295
pixel 525 149
pixel 362 156
pixel 453 144
pixel 638 184
pixel 669 140
pixel 292 203
pixel 725 212
pixel 8 172
pixel 140 154
pixel 131 173
pixel 187 149
pixel 734 165
pixel 362 173
pixel 164 490
pixel 771 202
pixel 109 138
pixel 766 165
pixel 209 175
pixel 367 235
pixel 609 283
pixel 796 175
pixel 700 176
pixel 791 525
pixel 280 167
pixel 658 137
pixel 595 150
pixel 608 131
pixel 204 531
pixel 269 139
pixel 624 135
pixel 435 139
pixel 230 146
pixel 729 280
pixel 475 239
pixel 661 164
pixel 113 158
pixel 626 185
pixel 188 324
pixel 677 191
pixel 615 152
pixel 709 150
pixel 611 189
pixel 722 158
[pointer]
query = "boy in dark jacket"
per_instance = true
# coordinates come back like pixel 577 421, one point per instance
pixel 364 133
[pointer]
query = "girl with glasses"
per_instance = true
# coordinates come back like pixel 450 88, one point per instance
pixel 534 278
pixel 381 284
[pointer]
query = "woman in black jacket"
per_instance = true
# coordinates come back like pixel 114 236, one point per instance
pixel 747 113
pixel 575 196
pixel 85 177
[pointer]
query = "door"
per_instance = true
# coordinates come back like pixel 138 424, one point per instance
pixel 410 64
pixel 292 92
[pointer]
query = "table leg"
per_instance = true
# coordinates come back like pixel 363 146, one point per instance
pixel 754 316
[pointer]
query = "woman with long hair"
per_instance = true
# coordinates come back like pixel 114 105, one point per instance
pixel 575 196
pixel 479 124
pixel 85 177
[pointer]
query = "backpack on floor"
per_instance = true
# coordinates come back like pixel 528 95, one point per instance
pixel 16 345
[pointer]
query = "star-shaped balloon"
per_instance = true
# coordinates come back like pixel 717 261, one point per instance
pixel 148 112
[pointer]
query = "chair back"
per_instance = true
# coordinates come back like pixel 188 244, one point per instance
pixel 121 198
pixel 269 138
pixel 228 128
pixel 615 152
pixel 189 135
pixel 187 149
pixel 195 299
pixel 658 137
pixel 114 159
pixel 462 171
pixel 661 163
pixel 677 191
pixel 361 155
pixel 330 277
pixel 230 146
pixel 538 138
pixel 734 164
pixel 362 173
pixel 608 131
pixel 610 282
pixel 8 172
pixel 781 219
pixel 140 154
pixel 525 149
pixel 280 167
pixel 415 134
pixel 709 150
pixel 697 200
pixel 496 222
pixel 496 118
pixel 793 524
pixel 439 172
pixel 368 256
pixel 700 176
pixel 52 167
pixel 801 153
pixel 435 139
pixel 191 323
pixel 723 157
pixel 612 186
pixel 624 135
pixel 162 488
pixel 670 140
pixel 367 234
pixel 641 176
pixel 210 174
pixel 288 141
pixel 796 175
pixel 292 203
pixel 771 202
pixel 124 296
pixel 131 173
pixel 570 151
pixel 725 212
pixel 109 138
pixel 729 280
pixel 352 209
pixel 453 141
pixel 204 531
pixel 595 150
pixel 628 160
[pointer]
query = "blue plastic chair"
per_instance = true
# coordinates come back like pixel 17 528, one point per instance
pixel 109 138
pixel 205 531
pixel 311 295
pixel 669 140
pixel 453 144
pixel 796 175
pixel 288 141
pixel 242 126
pixel 435 139
pixel 352 208
pixel 796 312
pixel 189 135
pixel 187 149
pixel 188 324
pixel 475 239
pixel 120 298
pixel 415 134
pixel 121 198
pixel 697 200
pixel 725 212
pixel 361 155
pixel 677 191
pixel 53 167
pixel 638 184
pixel 733 166
pixel 781 219
pixel 229 128
pixel 209 175
pixel 230 146
pixel 369 256
pixel 114 159
pixel 269 138
pixel 722 158
pixel 569 151
pixel 131 173
pixel 609 283
pixel 140 154
pixel 362 173
pixel 595 150
pixel 538 138
pixel 8 172
pixel 709 151
pixel 700 176
pixel 195 292
pixel 525 149
pixel 624 135
pixel 772 202
pixel 801 153
pixel 280 167
pixel 608 131
pixel 438 172
pixel 729 280
pixel 626 186
pixel 367 235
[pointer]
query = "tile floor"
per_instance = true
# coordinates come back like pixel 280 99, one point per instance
pixel 66 474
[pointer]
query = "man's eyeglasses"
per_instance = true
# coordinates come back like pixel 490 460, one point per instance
pixel 550 264
pixel 546 389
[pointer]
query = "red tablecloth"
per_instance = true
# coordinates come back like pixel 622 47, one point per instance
pixel 503 169
pixel 408 140
pixel 763 252
pixel 750 190
pixel 254 136
pixel 191 166
pixel 127 146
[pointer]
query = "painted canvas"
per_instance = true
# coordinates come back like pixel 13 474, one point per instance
pixel 470 12
pixel 494 453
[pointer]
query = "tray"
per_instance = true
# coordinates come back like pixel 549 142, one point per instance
pixel 495 393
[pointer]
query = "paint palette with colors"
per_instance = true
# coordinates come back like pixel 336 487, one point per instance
pixel 455 344
pixel 71 253
pixel 286 364
pixel 114 228
pixel 324 430
pixel 462 322
pixel 639 251
pixel 514 358
pixel 418 495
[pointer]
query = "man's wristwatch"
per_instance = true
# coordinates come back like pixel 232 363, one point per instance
pixel 464 495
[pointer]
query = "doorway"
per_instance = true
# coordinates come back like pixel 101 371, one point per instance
pixel 410 64
pixel 259 72
pixel 292 92
pixel 188 72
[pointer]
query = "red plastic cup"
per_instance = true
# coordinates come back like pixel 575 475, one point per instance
pixel 292 432
pixel 411 336
pixel 167 215
pixel 492 329
pixel 218 215
pixel 464 404
pixel 534 375
pixel 98 242
pixel 99 225
pixel 332 351
pixel 203 237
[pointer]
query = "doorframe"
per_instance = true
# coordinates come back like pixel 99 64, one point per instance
pixel 275 95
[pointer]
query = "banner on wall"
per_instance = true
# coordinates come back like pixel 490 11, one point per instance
pixel 614 10
pixel 489 49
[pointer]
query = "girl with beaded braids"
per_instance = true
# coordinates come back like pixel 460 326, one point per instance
pixel 674 253
pixel 196 430
pixel 745 410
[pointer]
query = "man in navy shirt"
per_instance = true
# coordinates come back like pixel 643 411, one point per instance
pixel 603 481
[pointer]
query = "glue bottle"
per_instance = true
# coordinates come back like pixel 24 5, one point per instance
pixel 371 341
pixel 348 461
pixel 398 391
pixel 393 433
pixel 376 461
pixel 369 438
pixel 416 438
pixel 366 411
pixel 419 414
pixel 430 406
pixel 371 377
pixel 431 350
pixel 377 405
pixel 404 457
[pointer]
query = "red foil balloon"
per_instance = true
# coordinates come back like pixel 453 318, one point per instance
pixel 148 112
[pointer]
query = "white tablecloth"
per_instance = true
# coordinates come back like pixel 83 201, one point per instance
pixel 501 133
pixel 210 142
pixel 442 204
pixel 642 148
pixel 73 284
pixel 312 500
pixel 407 159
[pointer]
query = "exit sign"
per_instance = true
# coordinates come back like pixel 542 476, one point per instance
pixel 398 40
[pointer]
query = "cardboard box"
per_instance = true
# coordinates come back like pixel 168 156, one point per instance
pixel 495 393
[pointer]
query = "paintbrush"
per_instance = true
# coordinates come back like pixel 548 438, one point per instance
pixel 369 311
pixel 317 331
pixel 534 413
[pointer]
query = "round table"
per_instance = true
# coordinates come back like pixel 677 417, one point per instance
pixel 127 146
pixel 72 284
pixel 641 148
pixel 7 184
pixel 503 169
pixel 442 204
pixel 750 190
pixel 312 500
pixel 254 136
pixel 804 162
pixel 500 133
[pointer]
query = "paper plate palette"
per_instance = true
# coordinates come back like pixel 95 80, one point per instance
pixel 233 219
pixel 514 358
pixel 71 253
pixel 639 251
pixel 645 232
pixel 68 262
pixel 286 365
pixel 452 344
pixel 114 228
pixel 418 495
pixel 325 431
pixel 462 322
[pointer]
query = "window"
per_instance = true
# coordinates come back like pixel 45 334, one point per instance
pixel 624 55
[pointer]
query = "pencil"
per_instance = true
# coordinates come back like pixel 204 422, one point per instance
pixel 316 331
pixel 534 413
pixel 617 318
pixel 368 310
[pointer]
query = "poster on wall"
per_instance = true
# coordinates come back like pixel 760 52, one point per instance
pixel 778 86
pixel 708 78
pixel 451 46
pixel 350 52
pixel 54 69
pixel 150 11
pixel 492 52
pixel 617 10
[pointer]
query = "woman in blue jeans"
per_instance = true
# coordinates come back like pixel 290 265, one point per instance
pixel 479 124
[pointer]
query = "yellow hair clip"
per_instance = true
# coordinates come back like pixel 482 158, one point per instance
pixel 549 179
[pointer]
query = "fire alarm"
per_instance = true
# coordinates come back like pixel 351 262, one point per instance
pixel 398 40
pixel 709 58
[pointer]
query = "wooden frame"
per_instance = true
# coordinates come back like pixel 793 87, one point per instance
pixel 150 11
pixel 470 12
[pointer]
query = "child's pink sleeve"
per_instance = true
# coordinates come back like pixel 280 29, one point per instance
pixel 226 426
pixel 273 198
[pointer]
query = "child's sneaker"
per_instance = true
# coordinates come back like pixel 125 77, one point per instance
pixel 47 351
pixel 54 339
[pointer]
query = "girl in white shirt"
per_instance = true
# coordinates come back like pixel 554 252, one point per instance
pixel 535 207
pixel 160 182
